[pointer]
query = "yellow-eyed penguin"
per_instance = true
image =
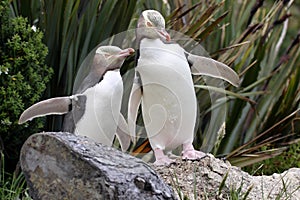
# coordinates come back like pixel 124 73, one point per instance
pixel 164 87
pixel 94 111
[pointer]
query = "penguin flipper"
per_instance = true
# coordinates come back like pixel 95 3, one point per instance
pixel 135 99
pixel 122 133
pixel 206 66
pixel 58 106
pixel 75 112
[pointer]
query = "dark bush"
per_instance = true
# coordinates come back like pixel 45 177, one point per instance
pixel 23 79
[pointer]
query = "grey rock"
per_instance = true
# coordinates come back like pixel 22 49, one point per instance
pixel 66 166
pixel 202 180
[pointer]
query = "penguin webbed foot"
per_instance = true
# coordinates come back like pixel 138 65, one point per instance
pixel 189 153
pixel 161 159
pixel 171 155
pixel 193 155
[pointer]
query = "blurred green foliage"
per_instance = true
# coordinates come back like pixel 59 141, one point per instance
pixel 258 39
pixel 23 79
pixel 288 159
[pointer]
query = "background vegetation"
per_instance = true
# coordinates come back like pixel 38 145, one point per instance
pixel 23 79
pixel 259 39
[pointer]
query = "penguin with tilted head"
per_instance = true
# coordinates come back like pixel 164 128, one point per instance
pixel 164 87
pixel 94 110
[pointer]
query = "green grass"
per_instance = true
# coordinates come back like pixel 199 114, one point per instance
pixel 12 186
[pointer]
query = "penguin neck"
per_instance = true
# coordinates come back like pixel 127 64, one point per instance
pixel 146 42
pixel 90 81
pixel 142 38
pixel 94 78
pixel 108 72
pixel 113 71
pixel 155 51
pixel 111 75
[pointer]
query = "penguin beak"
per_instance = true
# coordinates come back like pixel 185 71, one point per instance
pixel 164 34
pixel 126 52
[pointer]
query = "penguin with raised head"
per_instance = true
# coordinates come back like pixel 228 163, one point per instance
pixel 164 87
pixel 94 110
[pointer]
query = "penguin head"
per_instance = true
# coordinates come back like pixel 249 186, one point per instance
pixel 151 24
pixel 111 57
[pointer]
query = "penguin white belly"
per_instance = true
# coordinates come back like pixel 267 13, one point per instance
pixel 103 104
pixel 169 101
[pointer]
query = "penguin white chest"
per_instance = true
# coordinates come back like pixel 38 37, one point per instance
pixel 169 100
pixel 103 104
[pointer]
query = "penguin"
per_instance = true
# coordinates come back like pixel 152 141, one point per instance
pixel 164 88
pixel 94 110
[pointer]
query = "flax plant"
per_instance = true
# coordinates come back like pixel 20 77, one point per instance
pixel 258 39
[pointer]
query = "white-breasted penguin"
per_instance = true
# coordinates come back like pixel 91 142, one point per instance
pixel 164 87
pixel 94 110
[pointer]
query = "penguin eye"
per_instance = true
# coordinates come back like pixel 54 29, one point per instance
pixel 149 24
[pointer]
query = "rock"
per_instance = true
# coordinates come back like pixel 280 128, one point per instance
pixel 203 179
pixel 65 166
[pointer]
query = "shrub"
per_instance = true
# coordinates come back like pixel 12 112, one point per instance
pixel 288 159
pixel 23 78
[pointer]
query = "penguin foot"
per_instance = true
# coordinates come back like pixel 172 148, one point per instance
pixel 171 155
pixel 161 159
pixel 166 161
pixel 190 153
pixel 193 155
